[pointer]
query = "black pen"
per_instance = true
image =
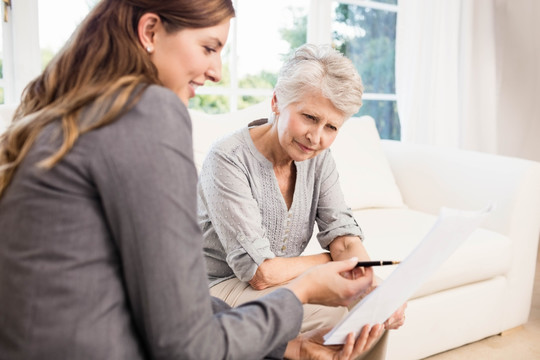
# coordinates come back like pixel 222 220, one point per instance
pixel 376 263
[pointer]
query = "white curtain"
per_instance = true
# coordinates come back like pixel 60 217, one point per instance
pixel 445 73
pixel 517 24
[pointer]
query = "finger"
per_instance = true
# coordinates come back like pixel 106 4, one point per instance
pixel 399 323
pixel 368 274
pixel 396 320
pixel 395 325
pixel 344 265
pixel 391 320
pixel 403 307
pixel 360 345
pixel 358 272
pixel 374 334
pixel 366 279
pixel 390 325
pixel 348 347
pixel 361 271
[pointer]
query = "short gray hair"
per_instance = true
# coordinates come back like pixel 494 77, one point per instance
pixel 320 69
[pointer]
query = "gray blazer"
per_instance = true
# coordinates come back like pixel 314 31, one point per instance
pixel 101 256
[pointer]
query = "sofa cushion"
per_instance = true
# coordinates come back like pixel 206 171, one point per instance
pixel 365 175
pixel 482 256
pixel 207 128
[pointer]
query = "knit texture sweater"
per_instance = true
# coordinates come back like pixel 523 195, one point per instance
pixel 244 217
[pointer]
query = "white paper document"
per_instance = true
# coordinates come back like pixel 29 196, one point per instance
pixel 450 230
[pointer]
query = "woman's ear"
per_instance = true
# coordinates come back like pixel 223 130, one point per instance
pixel 146 30
pixel 275 107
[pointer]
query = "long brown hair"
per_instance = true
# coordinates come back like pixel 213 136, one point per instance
pixel 103 64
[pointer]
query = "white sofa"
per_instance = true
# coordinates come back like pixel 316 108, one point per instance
pixel 396 191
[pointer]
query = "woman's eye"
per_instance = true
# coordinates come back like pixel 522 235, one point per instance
pixel 310 117
pixel 208 49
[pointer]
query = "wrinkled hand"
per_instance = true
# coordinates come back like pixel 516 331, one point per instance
pixel 397 319
pixel 311 344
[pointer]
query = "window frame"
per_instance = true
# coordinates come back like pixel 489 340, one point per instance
pixel 376 6
pixel 23 28
pixel 20 40
pixel 319 31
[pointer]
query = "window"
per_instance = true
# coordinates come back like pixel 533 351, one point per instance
pixel 262 36
pixel 33 33
pixel 3 83
pixel 54 28
pixel 365 31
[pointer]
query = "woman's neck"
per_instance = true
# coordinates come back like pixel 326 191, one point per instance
pixel 265 138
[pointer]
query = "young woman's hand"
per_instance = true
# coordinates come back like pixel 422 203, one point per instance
pixel 326 285
pixel 309 345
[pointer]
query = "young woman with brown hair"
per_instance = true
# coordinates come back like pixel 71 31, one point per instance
pixel 100 251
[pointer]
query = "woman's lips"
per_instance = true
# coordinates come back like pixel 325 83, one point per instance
pixel 304 148
pixel 193 88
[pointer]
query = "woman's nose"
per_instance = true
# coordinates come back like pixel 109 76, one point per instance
pixel 214 71
pixel 314 135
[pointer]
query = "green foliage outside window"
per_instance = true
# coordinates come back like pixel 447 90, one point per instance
pixel 296 36
pixel 370 44
pixel 46 56
pixel 364 35
pixel 213 104
pixel 264 80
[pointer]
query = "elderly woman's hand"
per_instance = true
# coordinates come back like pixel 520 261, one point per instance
pixel 397 319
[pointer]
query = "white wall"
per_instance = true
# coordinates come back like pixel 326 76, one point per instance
pixel 517 26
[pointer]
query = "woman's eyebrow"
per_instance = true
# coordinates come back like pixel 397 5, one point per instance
pixel 217 41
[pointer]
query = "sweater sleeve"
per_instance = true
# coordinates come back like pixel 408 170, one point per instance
pixel 234 214
pixel 334 217
pixel 143 169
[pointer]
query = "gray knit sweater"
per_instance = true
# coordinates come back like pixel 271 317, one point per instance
pixel 244 217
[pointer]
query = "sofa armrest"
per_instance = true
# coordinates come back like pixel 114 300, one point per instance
pixel 430 177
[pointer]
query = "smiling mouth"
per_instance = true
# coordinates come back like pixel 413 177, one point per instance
pixel 194 87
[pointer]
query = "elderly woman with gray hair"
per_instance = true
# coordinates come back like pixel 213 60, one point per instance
pixel 262 189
